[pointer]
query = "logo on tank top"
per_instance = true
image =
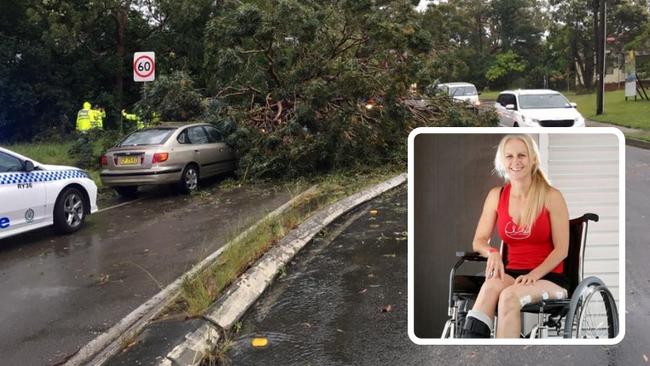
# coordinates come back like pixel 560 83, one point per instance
pixel 515 232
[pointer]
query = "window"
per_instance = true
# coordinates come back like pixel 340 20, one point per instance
pixel 154 136
pixel 543 101
pixel 463 91
pixel 197 135
pixel 505 99
pixel 213 134
pixel 182 138
pixel 9 163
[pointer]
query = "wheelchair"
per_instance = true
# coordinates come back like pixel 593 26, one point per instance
pixel 588 312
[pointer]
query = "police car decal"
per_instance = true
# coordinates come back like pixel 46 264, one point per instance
pixel 4 222
pixel 29 215
pixel 25 179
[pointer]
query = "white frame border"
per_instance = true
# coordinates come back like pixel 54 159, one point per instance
pixel 518 130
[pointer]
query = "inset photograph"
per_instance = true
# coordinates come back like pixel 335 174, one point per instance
pixel 516 236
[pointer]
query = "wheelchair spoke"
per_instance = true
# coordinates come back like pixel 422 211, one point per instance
pixel 594 320
pixel 593 313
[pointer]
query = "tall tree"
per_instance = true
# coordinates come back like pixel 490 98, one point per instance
pixel 177 33
pixel 297 76
pixel 625 20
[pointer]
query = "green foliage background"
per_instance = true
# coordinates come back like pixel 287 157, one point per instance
pixel 286 80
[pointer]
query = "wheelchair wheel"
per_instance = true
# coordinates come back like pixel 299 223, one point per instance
pixel 592 313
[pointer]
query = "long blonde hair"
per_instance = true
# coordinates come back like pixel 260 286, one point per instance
pixel 540 184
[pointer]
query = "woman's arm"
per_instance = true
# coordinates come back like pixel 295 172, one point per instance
pixel 559 215
pixel 484 229
pixel 486 222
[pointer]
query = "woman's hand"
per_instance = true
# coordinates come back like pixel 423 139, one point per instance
pixel 494 267
pixel 526 279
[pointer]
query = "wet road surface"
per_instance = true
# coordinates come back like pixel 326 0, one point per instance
pixel 332 305
pixel 343 298
pixel 60 292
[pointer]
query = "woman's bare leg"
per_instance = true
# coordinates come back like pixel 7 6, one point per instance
pixel 513 298
pixel 488 297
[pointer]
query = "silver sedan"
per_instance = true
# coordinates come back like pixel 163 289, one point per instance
pixel 166 154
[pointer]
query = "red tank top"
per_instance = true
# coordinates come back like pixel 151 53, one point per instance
pixel 527 249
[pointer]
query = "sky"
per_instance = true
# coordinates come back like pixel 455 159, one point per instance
pixel 423 4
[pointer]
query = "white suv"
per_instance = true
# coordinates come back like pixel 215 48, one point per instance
pixel 34 195
pixel 460 91
pixel 536 108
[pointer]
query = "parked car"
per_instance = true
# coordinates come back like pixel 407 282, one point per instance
pixel 35 195
pixel 461 91
pixel 535 108
pixel 166 154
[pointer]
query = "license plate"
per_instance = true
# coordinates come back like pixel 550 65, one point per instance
pixel 128 160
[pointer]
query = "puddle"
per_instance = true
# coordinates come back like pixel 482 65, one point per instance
pixel 342 299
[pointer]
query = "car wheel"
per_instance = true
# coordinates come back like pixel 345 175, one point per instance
pixel 189 179
pixel 69 213
pixel 127 191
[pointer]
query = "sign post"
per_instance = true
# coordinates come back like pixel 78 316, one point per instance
pixel 144 66
pixel 630 75
pixel 144 69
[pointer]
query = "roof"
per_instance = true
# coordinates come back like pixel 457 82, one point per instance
pixel 457 83
pixel 531 91
pixel 177 125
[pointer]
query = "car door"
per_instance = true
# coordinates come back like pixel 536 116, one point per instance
pixel 500 109
pixel 203 151
pixel 224 155
pixel 509 116
pixel 22 195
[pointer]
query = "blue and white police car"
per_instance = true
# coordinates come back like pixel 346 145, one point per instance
pixel 34 195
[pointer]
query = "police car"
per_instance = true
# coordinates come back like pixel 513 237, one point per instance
pixel 34 195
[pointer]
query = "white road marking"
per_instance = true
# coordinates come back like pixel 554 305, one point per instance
pixel 119 205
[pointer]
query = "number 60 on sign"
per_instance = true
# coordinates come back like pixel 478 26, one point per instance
pixel 144 66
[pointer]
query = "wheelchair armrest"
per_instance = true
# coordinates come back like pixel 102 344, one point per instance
pixel 463 257
pixel 471 256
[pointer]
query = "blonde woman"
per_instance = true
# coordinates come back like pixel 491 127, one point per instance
pixel 533 222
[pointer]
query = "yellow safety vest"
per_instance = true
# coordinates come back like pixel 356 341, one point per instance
pixel 133 119
pixel 96 118
pixel 83 120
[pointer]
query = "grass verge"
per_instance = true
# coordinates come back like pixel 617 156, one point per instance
pixel 640 136
pixel 51 153
pixel 199 292
pixel 630 113
pixel 489 95
pixel 54 153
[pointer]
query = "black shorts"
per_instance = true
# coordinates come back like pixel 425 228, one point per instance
pixel 557 278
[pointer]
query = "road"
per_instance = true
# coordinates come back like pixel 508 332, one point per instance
pixel 60 292
pixel 343 300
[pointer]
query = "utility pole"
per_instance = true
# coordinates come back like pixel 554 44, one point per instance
pixel 600 99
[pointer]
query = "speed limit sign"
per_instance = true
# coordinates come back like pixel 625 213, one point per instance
pixel 144 66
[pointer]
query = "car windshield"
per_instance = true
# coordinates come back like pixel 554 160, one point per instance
pixel 543 101
pixel 462 91
pixel 154 136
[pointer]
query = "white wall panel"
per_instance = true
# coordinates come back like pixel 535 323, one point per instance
pixel 585 169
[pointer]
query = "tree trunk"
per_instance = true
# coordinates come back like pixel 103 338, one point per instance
pixel 573 75
pixel 479 34
pixel 121 17
pixel 590 52
pixel 589 63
